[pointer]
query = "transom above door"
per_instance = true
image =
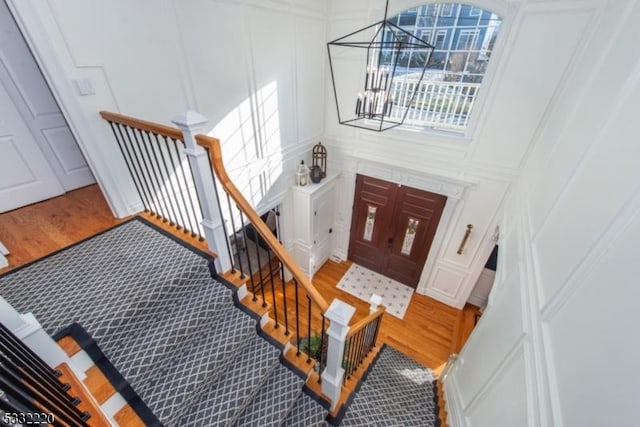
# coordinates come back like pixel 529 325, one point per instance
pixel 392 228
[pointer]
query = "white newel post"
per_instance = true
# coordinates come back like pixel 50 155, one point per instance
pixel 374 303
pixel 339 315
pixel 192 123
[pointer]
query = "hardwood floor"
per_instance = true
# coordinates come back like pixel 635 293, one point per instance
pixel 36 230
pixel 429 332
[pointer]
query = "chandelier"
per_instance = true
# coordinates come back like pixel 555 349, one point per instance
pixel 392 63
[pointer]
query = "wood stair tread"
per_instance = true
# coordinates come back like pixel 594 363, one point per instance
pixel 69 346
pixel 87 402
pixel 98 385
pixel 128 417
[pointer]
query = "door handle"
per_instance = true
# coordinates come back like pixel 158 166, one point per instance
pixel 390 242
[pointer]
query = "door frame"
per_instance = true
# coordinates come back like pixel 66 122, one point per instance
pixel 62 89
pixel 453 188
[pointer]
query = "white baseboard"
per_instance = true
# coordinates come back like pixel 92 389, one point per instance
pixel 452 404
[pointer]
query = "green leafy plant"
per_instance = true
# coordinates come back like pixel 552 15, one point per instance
pixel 311 345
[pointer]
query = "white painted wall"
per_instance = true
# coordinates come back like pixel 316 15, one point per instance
pixel 557 345
pixel 533 56
pixel 255 69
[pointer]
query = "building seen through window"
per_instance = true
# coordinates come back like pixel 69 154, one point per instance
pixel 463 37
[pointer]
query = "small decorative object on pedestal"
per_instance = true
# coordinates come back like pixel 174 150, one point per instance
pixel 302 175
pixel 315 173
pixel 319 158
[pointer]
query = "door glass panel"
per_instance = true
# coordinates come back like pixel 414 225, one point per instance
pixel 409 236
pixel 369 223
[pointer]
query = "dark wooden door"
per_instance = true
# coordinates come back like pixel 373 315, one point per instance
pixel 372 212
pixel 401 231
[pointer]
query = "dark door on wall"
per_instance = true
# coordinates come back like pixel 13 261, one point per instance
pixel 392 228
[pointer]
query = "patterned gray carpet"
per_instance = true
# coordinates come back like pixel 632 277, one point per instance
pixel 397 391
pixel 168 327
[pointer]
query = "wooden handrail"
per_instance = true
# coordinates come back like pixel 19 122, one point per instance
pixel 142 125
pixel 215 156
pixel 365 321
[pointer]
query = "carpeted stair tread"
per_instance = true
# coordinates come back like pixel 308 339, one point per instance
pixel 116 275
pixel 306 412
pixel 197 364
pixel 224 400
pixel 396 391
pixel 150 343
pixel 273 399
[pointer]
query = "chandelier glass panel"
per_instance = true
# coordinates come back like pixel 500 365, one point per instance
pixel 376 72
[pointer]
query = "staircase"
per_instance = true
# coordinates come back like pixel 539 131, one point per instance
pixel 217 367
pixel 178 336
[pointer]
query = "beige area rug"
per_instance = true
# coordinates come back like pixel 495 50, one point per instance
pixel 362 282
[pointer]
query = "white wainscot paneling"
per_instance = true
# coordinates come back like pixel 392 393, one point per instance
pixel 603 183
pixel 593 341
pixel 585 106
pixel 310 65
pixel 272 45
pixel 445 284
pixel 528 83
pixel 218 70
pixel 499 332
pixel 504 401
pixel 152 89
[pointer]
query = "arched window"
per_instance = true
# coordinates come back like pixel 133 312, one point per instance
pixel 463 37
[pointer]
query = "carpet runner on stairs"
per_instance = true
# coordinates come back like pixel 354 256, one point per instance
pixel 167 326
pixel 396 391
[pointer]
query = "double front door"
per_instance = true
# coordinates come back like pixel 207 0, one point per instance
pixel 392 228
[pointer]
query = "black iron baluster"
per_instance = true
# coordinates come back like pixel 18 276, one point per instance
pixel 16 359
pixel 358 339
pixel 246 250
pixel 295 282
pixel 350 347
pixel 352 352
pixel 8 339
pixel 309 329
pixel 363 348
pixel 164 191
pixel 129 163
pixel 156 149
pixel 174 172
pixel 257 245
pixel 135 148
pixel 11 404
pixel 281 268
pixel 181 160
pixel 375 335
pixel 156 181
pixel 57 398
pixel 235 236
pixel 284 299
pixel 25 399
pixel 365 341
pixel 322 352
pixel 148 177
pixel 273 287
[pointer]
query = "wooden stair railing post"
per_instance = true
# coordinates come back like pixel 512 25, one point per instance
pixel 339 315
pixel 191 123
